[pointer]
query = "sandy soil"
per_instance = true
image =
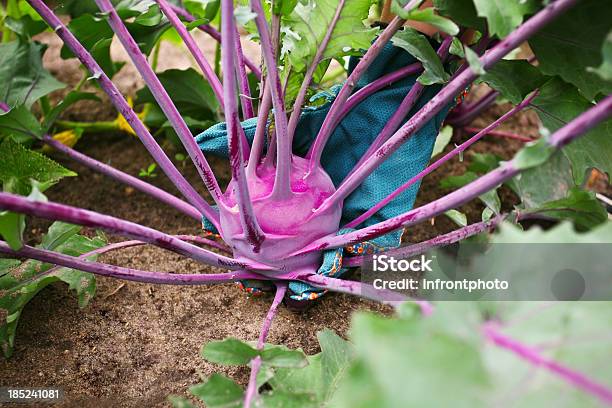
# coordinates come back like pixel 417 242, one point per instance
pixel 135 344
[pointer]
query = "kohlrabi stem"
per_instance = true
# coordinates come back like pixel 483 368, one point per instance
pixel 473 110
pixel 125 178
pixel 243 80
pixel 282 182
pixel 4 107
pixel 402 111
pixel 443 98
pixel 501 133
pixel 91 219
pixel 214 34
pixel 299 101
pixel 332 118
pixel 122 106
pixel 573 130
pixel 438 163
pixel 422 247
pixel 251 391
pixel 128 274
pixel 532 355
pixel 163 99
pixel 250 227
pixel 207 70
pixel 117 246
pixel 376 85
pixel 363 290
pixel 260 132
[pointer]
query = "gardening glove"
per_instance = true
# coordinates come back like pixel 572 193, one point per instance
pixel 346 146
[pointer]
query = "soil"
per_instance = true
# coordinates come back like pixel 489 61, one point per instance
pixel 135 344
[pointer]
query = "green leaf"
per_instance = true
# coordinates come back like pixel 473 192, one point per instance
pixel 443 139
pixel 605 69
pixel 473 61
pixel 457 217
pixel 25 26
pixel 206 9
pixel 483 162
pixel 316 383
pixel 462 12
pixel 503 16
pixel 96 35
pixel 219 392
pixel 402 364
pixel 229 352
pixel 581 207
pixel 533 154
pixel 20 123
pixel 417 45
pixel 557 104
pixel 310 21
pixel 283 7
pixel 514 79
pixel 190 92
pixel 573 42
pixel 70 99
pixel 278 356
pixel 58 233
pixel 23 79
pixel 426 15
pixel 19 166
pixel 549 181
pixel 21 281
pixel 12 226
pixel 458 181
pixel 456 48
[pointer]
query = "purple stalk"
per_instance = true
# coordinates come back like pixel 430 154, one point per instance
pixel 125 273
pixel 215 35
pixel 207 70
pixel 376 85
pixel 248 220
pixel 251 391
pixel 282 182
pixel 332 118
pixel 438 163
pixel 163 99
pixel 125 178
pixel 260 132
pixel 501 133
pixel 122 106
pixel 387 297
pixel 473 110
pixel 573 130
pixel 533 356
pixel 444 97
pixel 299 101
pixel 59 212
pixel 402 111
pixel 4 107
pixel 123 245
pixel 422 247
pixel 243 80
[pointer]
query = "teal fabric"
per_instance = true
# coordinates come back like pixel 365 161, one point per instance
pixel 349 142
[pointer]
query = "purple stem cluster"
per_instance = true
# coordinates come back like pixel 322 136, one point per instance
pixel 236 146
pixel 129 274
pixel 438 163
pixel 444 97
pixel 574 129
pixel 163 99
